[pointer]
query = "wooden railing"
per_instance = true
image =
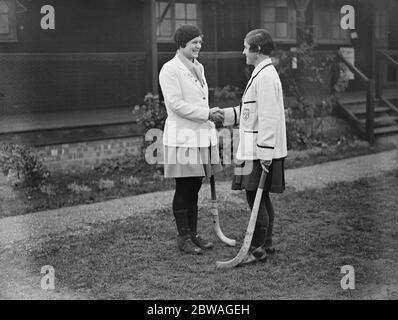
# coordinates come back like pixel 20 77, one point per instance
pixel 383 58
pixel 370 96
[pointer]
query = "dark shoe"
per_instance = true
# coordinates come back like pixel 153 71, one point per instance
pixel 186 245
pixel 255 255
pixel 200 242
pixel 270 250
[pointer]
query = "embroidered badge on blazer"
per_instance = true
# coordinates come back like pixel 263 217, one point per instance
pixel 246 114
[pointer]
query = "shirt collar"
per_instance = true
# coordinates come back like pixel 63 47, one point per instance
pixel 186 61
pixel 261 65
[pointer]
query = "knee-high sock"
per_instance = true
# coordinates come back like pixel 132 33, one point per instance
pixel 262 222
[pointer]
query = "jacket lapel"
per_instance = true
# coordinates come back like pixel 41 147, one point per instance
pixel 187 73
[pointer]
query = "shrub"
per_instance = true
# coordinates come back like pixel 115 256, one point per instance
pixel 23 164
pixel 157 176
pixel 122 163
pixel 304 117
pixel 226 93
pixel 152 114
pixel 78 189
pixel 106 184
pixel 131 181
pixel 48 189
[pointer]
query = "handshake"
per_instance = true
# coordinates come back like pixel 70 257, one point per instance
pixel 216 115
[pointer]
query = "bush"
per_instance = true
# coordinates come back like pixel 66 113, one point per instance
pixel 48 189
pixel 131 181
pixel 78 189
pixel 122 163
pixel 152 114
pixel 24 164
pixel 304 117
pixel 229 92
pixel 106 184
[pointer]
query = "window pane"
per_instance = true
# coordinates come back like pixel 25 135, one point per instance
pixel 180 23
pixel 269 3
pixel 269 14
pixel 193 22
pixel 4 25
pixel 165 29
pixel 281 30
pixel 271 28
pixel 180 11
pixel 163 6
pixel 191 11
pixel 3 7
pixel 281 3
pixel 281 14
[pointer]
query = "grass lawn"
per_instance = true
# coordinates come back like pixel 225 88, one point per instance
pixel 129 176
pixel 316 233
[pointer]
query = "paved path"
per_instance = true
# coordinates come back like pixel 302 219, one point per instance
pixel 47 223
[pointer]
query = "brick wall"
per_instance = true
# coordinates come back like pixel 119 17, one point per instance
pixel 87 154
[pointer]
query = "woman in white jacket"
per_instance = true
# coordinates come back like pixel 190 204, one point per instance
pixel 190 138
pixel 262 133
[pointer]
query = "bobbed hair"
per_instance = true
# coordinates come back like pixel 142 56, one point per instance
pixel 186 33
pixel 259 40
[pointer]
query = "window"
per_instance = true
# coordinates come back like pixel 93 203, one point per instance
pixel 279 18
pixel 8 28
pixel 171 14
pixel 327 18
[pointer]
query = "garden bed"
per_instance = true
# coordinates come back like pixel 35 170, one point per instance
pixel 129 176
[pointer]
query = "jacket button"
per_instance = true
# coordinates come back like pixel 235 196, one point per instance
pixel 204 98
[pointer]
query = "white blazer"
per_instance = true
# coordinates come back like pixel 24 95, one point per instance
pixel 187 104
pixel 261 116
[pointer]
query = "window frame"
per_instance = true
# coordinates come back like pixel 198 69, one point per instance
pixel 321 41
pixel 290 7
pixel 163 39
pixel 11 36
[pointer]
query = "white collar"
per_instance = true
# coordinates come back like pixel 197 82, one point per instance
pixel 261 65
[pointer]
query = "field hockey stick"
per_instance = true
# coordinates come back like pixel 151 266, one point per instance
pixel 250 229
pixel 214 213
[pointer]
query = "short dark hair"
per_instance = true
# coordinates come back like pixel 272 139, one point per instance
pixel 186 33
pixel 259 40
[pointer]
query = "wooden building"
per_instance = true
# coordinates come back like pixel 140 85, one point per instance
pixel 79 78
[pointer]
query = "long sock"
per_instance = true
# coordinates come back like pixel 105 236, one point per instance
pixel 262 222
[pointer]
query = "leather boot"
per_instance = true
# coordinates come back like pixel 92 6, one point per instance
pixel 184 241
pixel 193 223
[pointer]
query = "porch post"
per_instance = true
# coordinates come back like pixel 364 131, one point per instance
pixel 214 7
pixel 373 40
pixel 153 46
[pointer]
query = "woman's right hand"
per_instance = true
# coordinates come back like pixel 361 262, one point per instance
pixel 216 115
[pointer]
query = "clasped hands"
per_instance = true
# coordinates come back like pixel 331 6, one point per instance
pixel 216 115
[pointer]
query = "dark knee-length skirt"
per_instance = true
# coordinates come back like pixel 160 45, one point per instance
pixel 274 183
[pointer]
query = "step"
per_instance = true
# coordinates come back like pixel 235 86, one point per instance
pixel 382 119
pixel 377 110
pixel 386 130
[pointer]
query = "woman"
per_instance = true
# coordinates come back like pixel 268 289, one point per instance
pixel 262 132
pixel 190 139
